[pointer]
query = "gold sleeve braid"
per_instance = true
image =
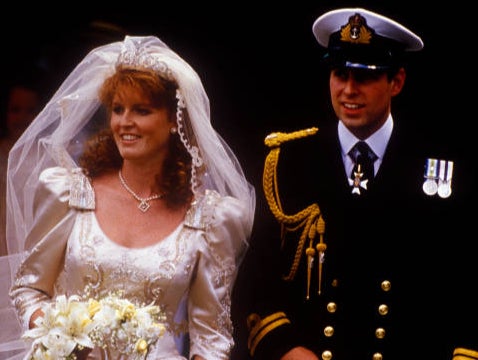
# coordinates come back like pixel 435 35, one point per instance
pixel 465 354
pixel 309 220
pixel 261 327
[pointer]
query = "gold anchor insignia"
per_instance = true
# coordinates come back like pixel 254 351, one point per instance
pixel 356 31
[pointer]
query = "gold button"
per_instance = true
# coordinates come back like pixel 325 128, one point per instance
pixel 329 331
pixel 326 355
pixel 383 309
pixel 335 283
pixel 380 333
pixel 331 307
pixel 386 285
pixel 377 356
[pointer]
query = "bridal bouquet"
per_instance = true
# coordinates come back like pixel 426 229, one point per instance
pixel 112 322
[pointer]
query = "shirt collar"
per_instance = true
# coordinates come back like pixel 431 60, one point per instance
pixel 377 141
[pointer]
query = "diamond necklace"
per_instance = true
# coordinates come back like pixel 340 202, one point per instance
pixel 144 204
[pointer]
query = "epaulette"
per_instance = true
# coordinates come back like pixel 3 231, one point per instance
pixel 275 139
pixel 309 220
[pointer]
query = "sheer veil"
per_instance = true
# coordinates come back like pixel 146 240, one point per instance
pixel 55 137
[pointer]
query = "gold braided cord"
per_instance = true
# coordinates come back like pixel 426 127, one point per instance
pixel 309 219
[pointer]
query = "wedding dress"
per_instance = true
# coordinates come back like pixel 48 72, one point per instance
pixel 189 274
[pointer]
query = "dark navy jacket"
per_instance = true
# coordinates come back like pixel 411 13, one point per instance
pixel 400 269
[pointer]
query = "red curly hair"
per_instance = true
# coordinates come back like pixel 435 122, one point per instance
pixel 101 153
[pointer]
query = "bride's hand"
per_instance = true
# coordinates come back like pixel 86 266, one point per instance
pixel 299 353
pixel 38 313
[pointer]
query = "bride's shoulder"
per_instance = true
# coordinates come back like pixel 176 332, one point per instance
pixel 212 208
pixel 70 184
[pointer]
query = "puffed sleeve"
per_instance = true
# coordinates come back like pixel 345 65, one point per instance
pixel 46 242
pixel 209 306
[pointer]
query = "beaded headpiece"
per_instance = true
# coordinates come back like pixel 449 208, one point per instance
pixel 139 58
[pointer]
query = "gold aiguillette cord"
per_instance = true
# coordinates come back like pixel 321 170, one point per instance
pixel 309 219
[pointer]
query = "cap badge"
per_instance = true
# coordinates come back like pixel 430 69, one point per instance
pixel 356 31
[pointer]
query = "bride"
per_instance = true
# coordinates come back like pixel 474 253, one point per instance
pixel 121 184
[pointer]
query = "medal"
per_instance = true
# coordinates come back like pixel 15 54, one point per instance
pixel 357 181
pixel 444 178
pixel 444 190
pixel 438 174
pixel 430 186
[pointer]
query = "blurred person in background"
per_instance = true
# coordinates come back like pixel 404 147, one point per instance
pixel 21 102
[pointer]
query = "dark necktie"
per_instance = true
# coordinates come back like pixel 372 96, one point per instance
pixel 363 171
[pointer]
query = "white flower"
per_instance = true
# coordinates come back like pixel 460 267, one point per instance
pixel 65 325
pixel 111 322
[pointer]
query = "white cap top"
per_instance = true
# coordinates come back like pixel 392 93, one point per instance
pixel 333 21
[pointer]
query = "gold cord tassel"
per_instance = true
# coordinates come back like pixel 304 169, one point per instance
pixel 310 252
pixel 321 247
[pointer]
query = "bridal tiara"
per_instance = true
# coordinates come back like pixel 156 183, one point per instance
pixel 140 59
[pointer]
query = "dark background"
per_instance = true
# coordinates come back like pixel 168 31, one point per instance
pixel 259 62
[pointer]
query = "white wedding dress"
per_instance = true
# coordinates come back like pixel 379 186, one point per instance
pixel 189 274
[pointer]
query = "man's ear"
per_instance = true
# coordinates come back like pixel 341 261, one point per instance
pixel 398 81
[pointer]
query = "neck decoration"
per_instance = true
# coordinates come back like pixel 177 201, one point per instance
pixel 144 204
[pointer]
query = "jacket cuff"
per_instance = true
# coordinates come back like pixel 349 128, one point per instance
pixel 271 336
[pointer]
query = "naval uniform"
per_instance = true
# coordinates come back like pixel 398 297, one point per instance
pixel 383 269
pixel 398 270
